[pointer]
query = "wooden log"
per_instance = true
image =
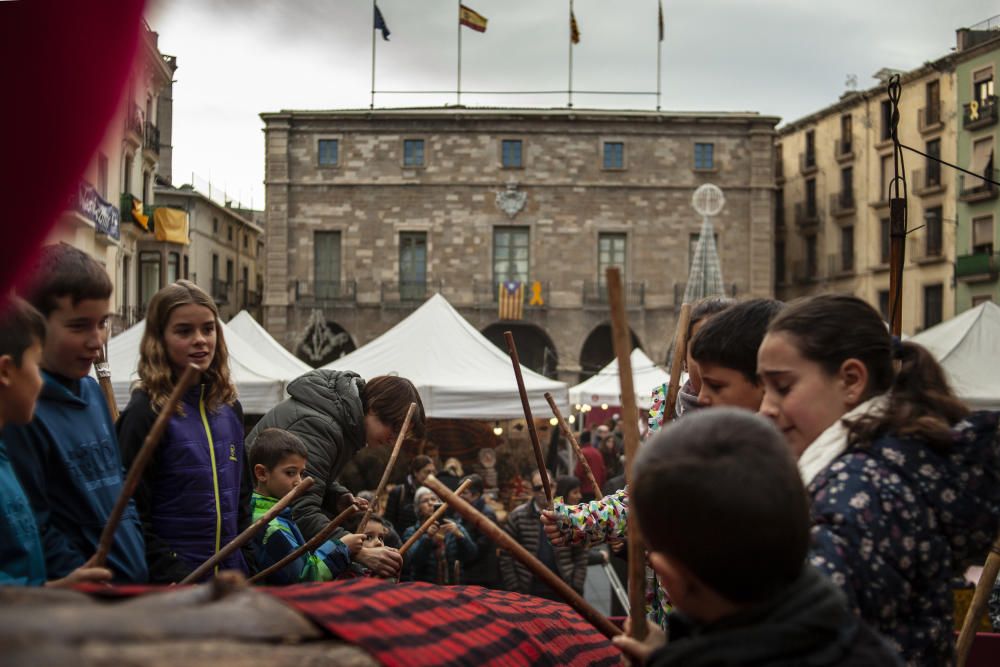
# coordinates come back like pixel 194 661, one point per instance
pixel 142 459
pixel 539 459
pixel 436 516
pixel 388 467
pixel 984 587
pixel 622 338
pixel 540 570
pixel 897 260
pixel 576 445
pixel 103 370
pixel 251 530
pixel 680 353
pixel 311 545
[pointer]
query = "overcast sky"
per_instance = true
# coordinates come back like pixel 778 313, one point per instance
pixel 238 58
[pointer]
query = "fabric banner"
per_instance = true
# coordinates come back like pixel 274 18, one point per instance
pixel 511 299
pixel 141 219
pixel 381 25
pixel 171 225
pixel 574 29
pixel 471 19
pixel 105 216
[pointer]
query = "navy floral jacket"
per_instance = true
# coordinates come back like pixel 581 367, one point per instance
pixel 894 523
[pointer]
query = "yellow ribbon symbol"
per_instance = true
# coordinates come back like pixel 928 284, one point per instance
pixel 973 110
pixel 536 294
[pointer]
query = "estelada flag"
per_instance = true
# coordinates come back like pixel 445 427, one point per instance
pixel 471 19
pixel 511 300
pixel 574 31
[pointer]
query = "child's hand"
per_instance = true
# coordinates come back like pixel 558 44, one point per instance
pixel 640 650
pixel 84 574
pixel 383 561
pixel 551 529
pixel 353 543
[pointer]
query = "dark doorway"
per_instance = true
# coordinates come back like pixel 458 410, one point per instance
pixel 534 347
pixel 598 350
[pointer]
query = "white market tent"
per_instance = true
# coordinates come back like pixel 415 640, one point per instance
pixel 259 380
pixel 252 332
pixel 459 373
pixel 968 347
pixel 604 387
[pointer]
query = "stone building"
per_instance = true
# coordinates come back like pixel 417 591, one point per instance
pixel 369 212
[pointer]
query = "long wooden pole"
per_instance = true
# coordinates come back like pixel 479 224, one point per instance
pixel 622 338
pixel 680 352
pixel 142 459
pixel 250 531
pixel 979 600
pixel 436 516
pixel 540 570
pixel 310 546
pixel 539 459
pixel 388 467
pixel 576 445
pixel 103 370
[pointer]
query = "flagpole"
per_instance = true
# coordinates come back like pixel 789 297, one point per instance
pixel 458 97
pixel 659 50
pixel 372 105
pixel 570 88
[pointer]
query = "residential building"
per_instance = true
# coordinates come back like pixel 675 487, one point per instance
pixel 370 212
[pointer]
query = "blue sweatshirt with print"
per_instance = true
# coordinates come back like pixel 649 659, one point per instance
pixel 22 562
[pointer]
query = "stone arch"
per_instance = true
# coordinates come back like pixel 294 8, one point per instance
pixel 323 341
pixel 598 350
pixel 534 346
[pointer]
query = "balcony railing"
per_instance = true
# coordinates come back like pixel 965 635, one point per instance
pixel 595 293
pixel 980 113
pixel 806 216
pixel 807 162
pixel 325 292
pixel 842 203
pixel 979 266
pixel 927 181
pixel 929 118
pixel 805 272
pixel 972 188
pixel 220 291
pixel 841 263
pixel 843 149
pixel 923 250
pixel 152 138
pixel 124 318
pixel 407 292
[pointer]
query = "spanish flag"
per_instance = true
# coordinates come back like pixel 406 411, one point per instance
pixel 574 31
pixel 471 19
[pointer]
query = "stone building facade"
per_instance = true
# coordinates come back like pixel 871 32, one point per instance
pixel 370 212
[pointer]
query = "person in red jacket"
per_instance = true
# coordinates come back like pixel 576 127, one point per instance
pixel 596 462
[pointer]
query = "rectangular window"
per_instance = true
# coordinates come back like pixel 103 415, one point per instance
pixel 246 241
pixel 215 268
pixel 326 265
pixel 127 175
pixel 935 234
pixel 886 127
pixel 779 165
pixel 610 252
pixel 933 96
pixel 245 287
pixel 146 194
pixel 614 155
pixel 779 207
pixel 810 148
pixel 933 305
pixel 329 152
pixel 215 226
pixel 510 254
pixel 982 85
pixel 811 264
pixel 413 152
pixel 704 156
pixel 846 134
pixel 847 187
pixel 933 166
pixel 779 262
pixel 982 160
pixel 982 235
pixel 884 244
pixel 149 276
pixel 511 153
pixel 888 174
pixel 883 303
pixel 126 279
pixel 412 265
pixel 102 175
pixel 229 233
pixel 187 266
pixel 229 274
pixel 847 248
pixel 173 267
pixel 811 198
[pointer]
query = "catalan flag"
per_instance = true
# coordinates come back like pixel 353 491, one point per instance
pixel 471 19
pixel 511 300
pixel 574 30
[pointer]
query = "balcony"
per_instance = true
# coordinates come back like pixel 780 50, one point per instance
pixel 978 268
pixel 805 272
pixel 807 162
pixel 486 294
pixel 407 293
pixel 980 113
pixel 220 291
pixel 926 251
pixel 927 181
pixel 841 264
pixel 929 119
pixel 595 294
pixel 125 318
pixel 806 216
pixel 151 140
pixel 973 189
pixel 843 149
pixel 325 293
pixel 133 125
pixel 842 203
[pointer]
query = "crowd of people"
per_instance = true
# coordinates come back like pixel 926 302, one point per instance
pixel 818 497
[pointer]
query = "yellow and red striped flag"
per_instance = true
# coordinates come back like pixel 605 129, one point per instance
pixel 511 300
pixel 471 19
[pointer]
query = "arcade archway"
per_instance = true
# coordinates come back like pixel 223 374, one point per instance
pixel 534 347
pixel 598 350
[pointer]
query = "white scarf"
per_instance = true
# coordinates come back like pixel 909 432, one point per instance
pixel 832 442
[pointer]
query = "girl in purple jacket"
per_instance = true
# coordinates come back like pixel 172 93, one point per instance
pixel 195 495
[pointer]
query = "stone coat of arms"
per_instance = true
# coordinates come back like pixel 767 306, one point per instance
pixel 511 200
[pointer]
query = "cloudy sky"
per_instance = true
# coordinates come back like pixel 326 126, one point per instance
pixel 238 58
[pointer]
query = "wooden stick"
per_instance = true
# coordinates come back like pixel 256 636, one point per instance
pixel 388 467
pixel 251 530
pixel 622 338
pixel 540 570
pixel 436 516
pixel 103 370
pixel 680 353
pixel 576 445
pixel 310 546
pixel 979 600
pixel 539 459
pixel 142 459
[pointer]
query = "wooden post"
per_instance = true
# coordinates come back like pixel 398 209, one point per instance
pixel 680 352
pixel 388 468
pixel 622 338
pixel 539 459
pixel 540 570
pixel 103 371
pixel 317 540
pixel 251 530
pixel 979 600
pixel 142 459
pixel 436 516
pixel 576 445
pixel 897 259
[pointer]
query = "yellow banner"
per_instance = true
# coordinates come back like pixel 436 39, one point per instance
pixel 137 214
pixel 171 225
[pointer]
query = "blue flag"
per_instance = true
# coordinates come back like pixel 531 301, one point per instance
pixel 380 24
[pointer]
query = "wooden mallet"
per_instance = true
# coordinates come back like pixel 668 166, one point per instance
pixel 539 569
pixel 980 598
pixel 388 467
pixel 576 445
pixel 539 459
pixel 103 370
pixel 142 459
pixel 680 353
pixel 251 530
pixel 436 516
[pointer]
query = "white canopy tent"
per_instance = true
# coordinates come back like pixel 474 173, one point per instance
pixel 968 347
pixel 604 386
pixel 252 332
pixel 458 372
pixel 259 380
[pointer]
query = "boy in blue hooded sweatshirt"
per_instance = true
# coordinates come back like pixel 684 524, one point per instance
pixel 67 457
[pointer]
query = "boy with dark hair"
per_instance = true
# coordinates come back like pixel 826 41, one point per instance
pixel 67 458
pixel 278 460
pixel 734 561
pixel 725 350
